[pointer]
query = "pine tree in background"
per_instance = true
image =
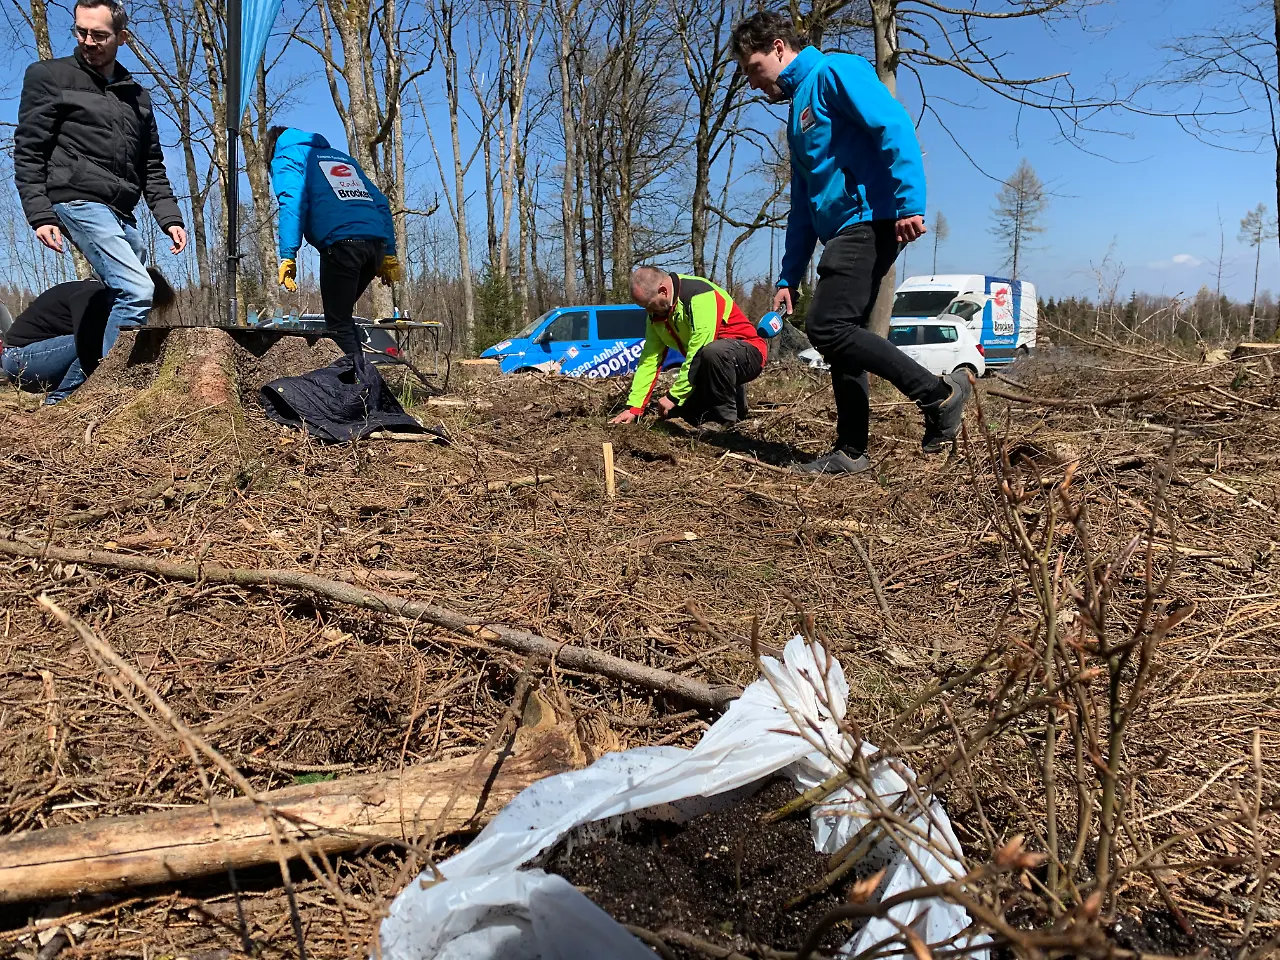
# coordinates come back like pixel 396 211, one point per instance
pixel 941 230
pixel 1257 227
pixel 1019 206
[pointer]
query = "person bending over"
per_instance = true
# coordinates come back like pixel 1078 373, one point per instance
pixel 325 197
pixel 857 184
pixel 58 340
pixel 722 350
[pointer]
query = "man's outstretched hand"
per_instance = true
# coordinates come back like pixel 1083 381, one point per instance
pixel 665 407
pixel 179 237
pixel 782 301
pixel 50 236
pixel 626 416
pixel 911 228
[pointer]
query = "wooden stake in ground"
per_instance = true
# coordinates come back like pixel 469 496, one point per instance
pixel 609 486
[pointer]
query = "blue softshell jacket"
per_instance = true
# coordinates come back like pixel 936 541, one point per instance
pixel 325 196
pixel 854 153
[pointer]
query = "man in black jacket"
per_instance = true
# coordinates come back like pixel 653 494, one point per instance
pixel 85 150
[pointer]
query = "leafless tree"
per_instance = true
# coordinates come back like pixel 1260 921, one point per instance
pixel 445 24
pixel 1019 205
pixel 1257 227
pixel 715 84
pixel 1231 73
pixel 941 231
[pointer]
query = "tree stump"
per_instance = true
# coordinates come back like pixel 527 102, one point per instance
pixel 157 373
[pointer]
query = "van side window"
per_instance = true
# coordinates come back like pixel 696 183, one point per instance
pixel 907 335
pixel 940 335
pixel 574 325
pixel 625 324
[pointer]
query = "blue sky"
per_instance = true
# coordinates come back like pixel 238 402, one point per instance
pixel 1149 189
pixel 1154 190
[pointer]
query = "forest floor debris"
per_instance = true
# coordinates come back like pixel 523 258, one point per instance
pixel 289 685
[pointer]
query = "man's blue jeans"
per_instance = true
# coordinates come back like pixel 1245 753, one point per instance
pixel 113 246
pixel 50 365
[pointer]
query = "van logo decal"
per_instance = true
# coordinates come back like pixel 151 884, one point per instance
pixel 1003 322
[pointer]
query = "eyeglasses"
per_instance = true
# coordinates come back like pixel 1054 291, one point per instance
pixel 97 36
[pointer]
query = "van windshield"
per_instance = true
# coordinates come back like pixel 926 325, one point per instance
pixel 922 303
pixel 527 331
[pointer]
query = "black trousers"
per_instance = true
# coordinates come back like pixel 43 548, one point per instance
pixel 719 373
pixel 347 267
pixel 849 273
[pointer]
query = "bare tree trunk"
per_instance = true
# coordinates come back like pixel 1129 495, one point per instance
pixel 565 13
pixel 885 31
pixel 443 16
pixel 580 213
pixel 258 171
pixel 1275 135
pixel 399 201
pixel 1253 304
pixel 40 29
pixel 211 43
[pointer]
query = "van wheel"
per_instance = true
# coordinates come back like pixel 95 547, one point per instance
pixel 972 370
pixel 1022 351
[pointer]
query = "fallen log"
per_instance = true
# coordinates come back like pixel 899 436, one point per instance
pixel 526 642
pixel 119 853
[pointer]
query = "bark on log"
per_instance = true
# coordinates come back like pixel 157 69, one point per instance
pixel 511 638
pixel 118 853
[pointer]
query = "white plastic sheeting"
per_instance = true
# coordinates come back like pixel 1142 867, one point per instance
pixel 486 908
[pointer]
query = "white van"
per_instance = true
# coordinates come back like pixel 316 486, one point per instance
pixel 940 345
pixel 1001 314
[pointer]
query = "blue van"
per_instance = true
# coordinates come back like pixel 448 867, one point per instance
pixel 604 340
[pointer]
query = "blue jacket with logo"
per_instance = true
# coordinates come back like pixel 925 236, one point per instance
pixel 325 196
pixel 854 153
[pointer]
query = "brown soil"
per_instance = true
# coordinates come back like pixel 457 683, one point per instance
pixel 724 875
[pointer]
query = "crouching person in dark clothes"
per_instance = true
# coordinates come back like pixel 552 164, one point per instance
pixel 58 340
pixel 722 350
pixel 325 197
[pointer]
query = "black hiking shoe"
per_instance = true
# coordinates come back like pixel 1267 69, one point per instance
pixel 837 461
pixel 942 418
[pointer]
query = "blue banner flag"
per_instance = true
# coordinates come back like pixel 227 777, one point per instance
pixel 256 20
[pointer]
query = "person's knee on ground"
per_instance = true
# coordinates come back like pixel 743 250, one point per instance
pixel 715 388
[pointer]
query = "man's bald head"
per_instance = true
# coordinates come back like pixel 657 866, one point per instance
pixel 651 288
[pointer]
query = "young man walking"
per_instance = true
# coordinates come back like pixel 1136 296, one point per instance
pixel 857 184
pixel 325 197
pixel 722 350
pixel 85 150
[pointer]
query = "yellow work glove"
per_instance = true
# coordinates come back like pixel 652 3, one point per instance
pixel 288 277
pixel 390 271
